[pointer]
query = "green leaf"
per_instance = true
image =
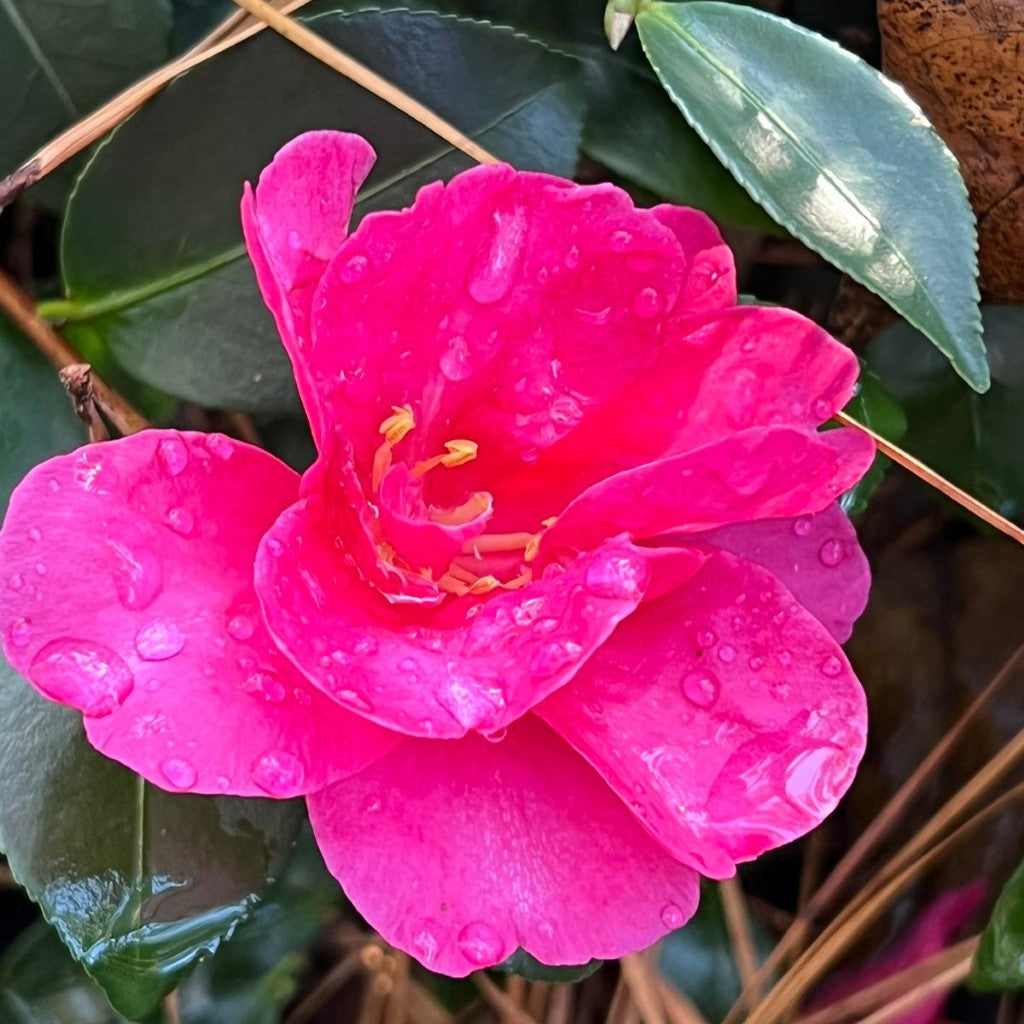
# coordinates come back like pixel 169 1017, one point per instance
pixel 999 962
pixel 836 153
pixel 36 419
pixel 140 884
pixel 529 967
pixel 698 958
pixel 59 60
pixel 152 253
pixel 972 439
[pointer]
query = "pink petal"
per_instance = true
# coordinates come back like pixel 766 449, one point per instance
pixel 129 596
pixel 471 664
pixel 817 557
pixel 293 224
pixel 932 932
pixel 762 473
pixel 711 271
pixel 737 725
pixel 716 374
pixel 460 852
pixel 493 306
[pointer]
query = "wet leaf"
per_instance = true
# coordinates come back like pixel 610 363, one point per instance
pixel 529 967
pixel 152 253
pixel 999 963
pixel 836 153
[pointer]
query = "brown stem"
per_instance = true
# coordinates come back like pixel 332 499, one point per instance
pixel 18 305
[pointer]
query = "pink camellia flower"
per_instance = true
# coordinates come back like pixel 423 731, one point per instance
pixel 553 622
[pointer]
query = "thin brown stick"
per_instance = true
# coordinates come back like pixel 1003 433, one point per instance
pixel 333 981
pixel 827 949
pixel 933 479
pixel 330 55
pixel 865 1000
pixel 7 879
pixel 424 1007
pixel 506 1009
pixel 679 1008
pixel 640 978
pixel 882 824
pixel 170 1008
pixel 560 1003
pixel 18 305
pixel 86 131
pixel 949 978
pixel 737 922
pixel 622 1009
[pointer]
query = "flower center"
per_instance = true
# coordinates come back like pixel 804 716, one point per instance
pixel 489 561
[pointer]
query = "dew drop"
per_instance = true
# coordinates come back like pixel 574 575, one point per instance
pixel 20 632
pixel 16 582
pixel 241 627
pixel 726 653
pixel 34 534
pixel 220 445
pixel 553 657
pixel 92 475
pixel 354 699
pixel 822 409
pixel 294 240
pixel 138 574
pixel 496 264
pixel 785 658
pixel 802 526
pixel 672 916
pixel 648 303
pixel 706 638
pixel 89 676
pixel 831 553
pixel 481 944
pixel 617 578
pixel 265 686
pixel 181 521
pixel 159 641
pixel 179 773
pixel 593 317
pixel 700 688
pixel 173 455
pixel 756 662
pixel 40 569
pixel 496 736
pixel 54 484
pixel 425 940
pixel 455 361
pixel 354 270
pixel 572 257
pixel 619 240
pixel 279 773
pixel 831 667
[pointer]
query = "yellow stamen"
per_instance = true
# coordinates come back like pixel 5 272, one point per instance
pixel 396 426
pixel 474 506
pixel 381 464
pixel 533 544
pixel 450 585
pixel 457 453
pixel 484 585
pixel 489 543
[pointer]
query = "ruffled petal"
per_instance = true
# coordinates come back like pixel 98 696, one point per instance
pixel 764 473
pixel 470 664
pixel 294 222
pixel 710 267
pixel 129 596
pixel 724 714
pixel 817 557
pixel 460 852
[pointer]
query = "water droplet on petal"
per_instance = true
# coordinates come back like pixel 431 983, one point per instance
pixel 616 578
pixel 593 317
pixel 221 446
pixel 93 475
pixel 279 773
pixel 173 454
pixel 425 940
pixel 726 653
pixel 785 658
pixel 20 632
pixel 354 270
pixel 16 582
pixel 159 641
pixel 756 662
pixel 88 676
pixel 648 303
pixel 496 736
pixel 481 944
pixel 138 574
pixel 700 688
pixel 822 409
pixel 40 569
pixel 266 686
pixel 706 638
pixel 553 657
pixel 179 773
pixel 241 627
pixel 54 484
pixel 802 526
pixel 672 916
pixel 496 264
pixel 619 240
pixel 455 361
pixel 831 667
pixel 831 553
pixel 34 534
pixel 181 521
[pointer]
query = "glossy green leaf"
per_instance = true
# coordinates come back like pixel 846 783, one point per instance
pixel 836 153
pixel 36 419
pixel 529 967
pixel 972 439
pixel 999 962
pixel 140 884
pixel 151 252
pixel 698 958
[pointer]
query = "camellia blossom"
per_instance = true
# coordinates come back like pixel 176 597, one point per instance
pixel 551 625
